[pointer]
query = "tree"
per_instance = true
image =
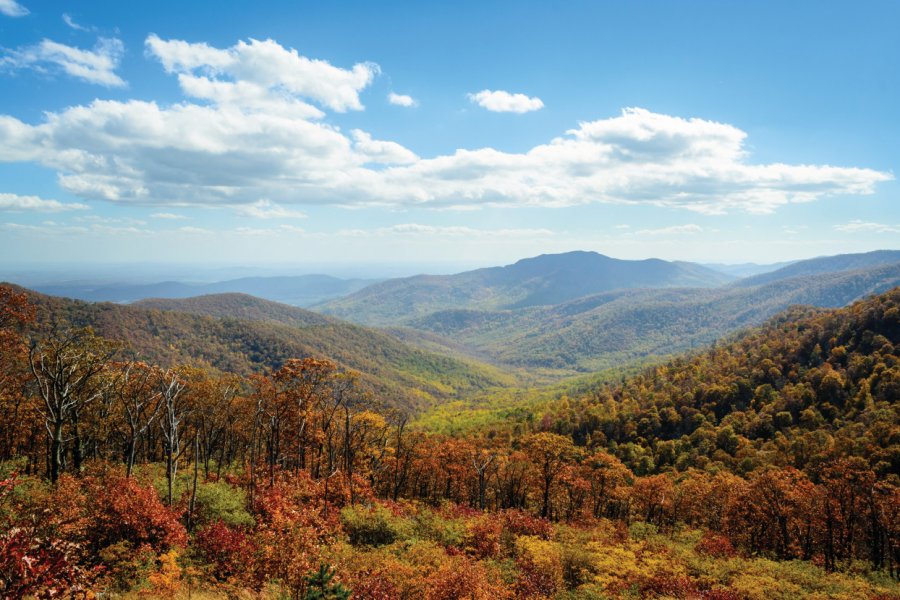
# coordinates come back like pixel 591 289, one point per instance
pixel 136 389
pixel 548 452
pixel 320 586
pixel 68 370
pixel 171 386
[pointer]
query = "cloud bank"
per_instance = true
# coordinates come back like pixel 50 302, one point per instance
pixel 253 125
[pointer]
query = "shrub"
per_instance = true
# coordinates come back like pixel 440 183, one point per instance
pixel 121 509
pixel 227 549
pixel 715 545
pixel 428 525
pixel 482 537
pixel 375 526
pixel 218 501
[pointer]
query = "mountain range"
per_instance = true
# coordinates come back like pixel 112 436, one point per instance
pixel 543 280
pixel 426 339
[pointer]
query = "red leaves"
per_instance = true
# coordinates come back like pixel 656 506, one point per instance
pixel 715 545
pixel 31 562
pixel 520 522
pixel 122 509
pixel 41 567
pixel 227 549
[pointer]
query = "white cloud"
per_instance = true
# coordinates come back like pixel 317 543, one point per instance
pixel 672 230
pixel 378 151
pixel 99 220
pixel 16 203
pixel 257 70
pixel 195 230
pixel 243 133
pixel 402 100
pixel 68 20
pixel 500 101
pixel 94 66
pixel 859 226
pixel 11 8
pixel 168 216
pixel 265 209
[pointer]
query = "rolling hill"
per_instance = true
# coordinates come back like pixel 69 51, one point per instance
pixel 302 290
pixel 543 280
pixel 269 334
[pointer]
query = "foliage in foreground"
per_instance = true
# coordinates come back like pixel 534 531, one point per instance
pixel 304 544
pixel 767 468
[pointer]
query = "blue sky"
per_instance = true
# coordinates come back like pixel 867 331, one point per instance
pixel 453 134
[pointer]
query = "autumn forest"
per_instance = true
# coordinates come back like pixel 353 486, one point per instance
pixel 765 466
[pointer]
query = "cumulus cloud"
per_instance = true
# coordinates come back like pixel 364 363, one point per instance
pixel 168 216
pixel 860 226
pixel 402 100
pixel 254 71
pixel 16 203
pixel 378 151
pixel 11 8
pixel 248 130
pixel 93 66
pixel 673 229
pixel 265 209
pixel 500 101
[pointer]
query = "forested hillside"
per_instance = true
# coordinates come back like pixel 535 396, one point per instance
pixel 825 264
pixel 266 334
pixel 768 467
pixel 606 330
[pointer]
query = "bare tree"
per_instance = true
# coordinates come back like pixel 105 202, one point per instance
pixel 68 369
pixel 137 389
pixel 174 411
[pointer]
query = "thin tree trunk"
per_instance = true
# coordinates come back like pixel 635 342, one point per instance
pixel 190 521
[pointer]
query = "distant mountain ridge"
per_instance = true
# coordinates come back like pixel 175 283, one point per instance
pixel 606 330
pixel 824 264
pixel 746 269
pixel 299 290
pixel 543 280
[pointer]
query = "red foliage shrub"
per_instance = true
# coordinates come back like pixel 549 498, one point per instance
pixel 483 537
pixel 32 561
pixel 374 586
pixel 715 545
pixel 520 522
pixel 227 549
pixel 534 582
pixel 30 566
pixel 122 509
